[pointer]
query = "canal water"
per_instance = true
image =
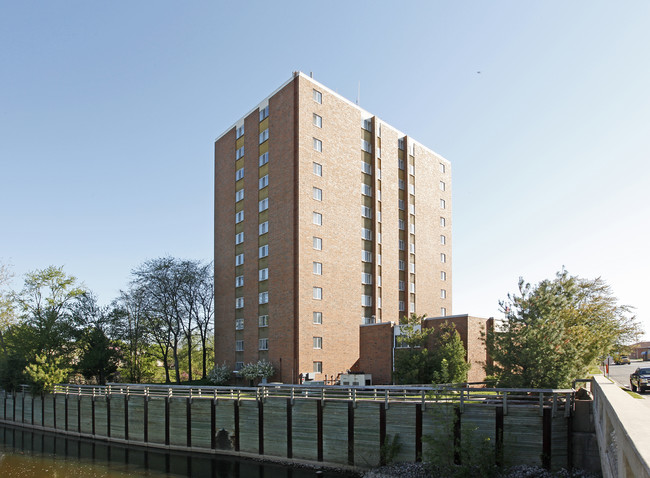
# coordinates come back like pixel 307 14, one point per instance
pixel 30 454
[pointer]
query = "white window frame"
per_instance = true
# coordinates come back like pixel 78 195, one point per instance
pixel 442 185
pixel 239 345
pixel 263 251
pixel 366 300
pixel 366 146
pixel 443 239
pixel 443 275
pixel 443 311
pixel 366 168
pixel 239 259
pixel 443 221
pixel 318 343
pixel 443 204
pixel 239 153
pixel 366 212
pixel 317 293
pixel 318 367
pixel 366 256
pixel 263 228
pixel 263 344
pixel 263 205
pixel 239 302
pixel 317 317
pixel 366 190
pixel 264 113
pixel 263 297
pixel 263 181
pixel 264 158
pixel 318 120
pixel 366 234
pixel 239 174
pixel 317 268
pixel 239 324
pixel 317 96
pixel 239 238
pixel 239 195
pixel 318 169
pixel 366 278
pixel 264 136
pixel 443 257
pixel 239 132
pixel 443 293
pixel 317 243
pixel 263 321
pixel 318 145
pixel 239 281
pixel 401 265
pixel 317 193
pixel 263 274
pixel 317 218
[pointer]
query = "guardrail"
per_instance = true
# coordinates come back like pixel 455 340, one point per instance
pixel 555 399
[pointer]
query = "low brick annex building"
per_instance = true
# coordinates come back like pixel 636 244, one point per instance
pixel 377 346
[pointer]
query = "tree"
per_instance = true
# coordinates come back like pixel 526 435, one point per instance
pixel 553 331
pixel 262 369
pixel 45 372
pixel 7 316
pixel 429 355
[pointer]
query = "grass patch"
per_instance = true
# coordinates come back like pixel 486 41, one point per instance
pixel 633 394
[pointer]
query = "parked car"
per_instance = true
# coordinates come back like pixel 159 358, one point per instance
pixel 640 380
pixel 624 360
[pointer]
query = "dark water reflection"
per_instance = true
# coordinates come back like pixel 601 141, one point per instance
pixel 24 453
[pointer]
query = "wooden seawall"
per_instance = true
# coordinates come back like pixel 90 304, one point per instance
pixel 326 425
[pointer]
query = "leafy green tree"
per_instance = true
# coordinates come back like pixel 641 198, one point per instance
pixel 7 316
pixel 429 355
pixel 99 355
pixel 554 330
pixel 45 372
pixel 262 369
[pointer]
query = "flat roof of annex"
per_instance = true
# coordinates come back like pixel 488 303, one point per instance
pixel 364 113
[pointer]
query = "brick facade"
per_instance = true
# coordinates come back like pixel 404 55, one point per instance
pixel 410 191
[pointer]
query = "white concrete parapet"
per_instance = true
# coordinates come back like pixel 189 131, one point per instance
pixel 623 431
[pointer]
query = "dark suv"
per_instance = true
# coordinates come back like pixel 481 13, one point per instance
pixel 640 380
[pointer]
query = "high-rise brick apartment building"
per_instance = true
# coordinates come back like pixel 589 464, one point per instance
pixel 326 218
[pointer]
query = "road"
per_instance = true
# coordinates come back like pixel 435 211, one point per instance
pixel 621 375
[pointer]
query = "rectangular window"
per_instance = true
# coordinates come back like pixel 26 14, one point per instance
pixel 318 121
pixel 264 344
pixel 442 168
pixel 264 158
pixel 317 194
pixel 317 218
pixel 239 259
pixel 318 318
pixel 401 246
pixel 442 204
pixel 239 238
pixel 366 212
pixel 263 298
pixel 366 190
pixel 264 113
pixel 401 306
pixel 263 204
pixel 411 188
pixel 412 307
pixel 442 185
pixel 366 301
pixel 443 257
pixel 412 248
pixel 240 131
pixel 263 321
pixel 412 228
pixel 318 367
pixel 443 311
pixel 366 278
pixel 366 256
pixel 411 170
pixel 401 285
pixel 400 164
pixel 443 239
pixel 400 183
pixel 318 96
pixel 239 345
pixel 318 145
pixel 264 181
pixel 239 303
pixel 263 251
pixel 318 342
pixel 443 275
pixel 366 234
pixel 239 153
pixel 412 209
pixel 442 221
pixel 412 268
pixel 401 265
pixel 239 365
pixel 367 124
pixel 443 294
pixel 239 281
pixel 318 243
pixel 318 169
pixel 264 135
pixel 317 293
pixel 239 195
pixel 412 287
pixel 400 143
pixel 366 167
pixel 400 224
pixel 239 324
pixel 318 268
pixel 400 204
pixel 264 228
pixel 366 146
pixel 263 274
pixel 239 174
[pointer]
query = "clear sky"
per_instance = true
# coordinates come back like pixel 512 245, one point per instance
pixel 109 111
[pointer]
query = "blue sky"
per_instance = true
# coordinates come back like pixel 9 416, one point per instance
pixel 109 110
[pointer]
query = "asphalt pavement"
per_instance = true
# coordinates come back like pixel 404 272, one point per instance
pixel 621 375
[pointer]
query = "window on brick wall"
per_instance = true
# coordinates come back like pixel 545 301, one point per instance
pixel 239 195
pixel 318 145
pixel 318 318
pixel 239 238
pixel 318 268
pixel 318 169
pixel 318 367
pixel 318 243
pixel 318 121
pixel 240 131
pixel 318 96
pixel 317 194
pixel 264 181
pixel 263 274
pixel 317 218
pixel 264 158
pixel 264 113
pixel 263 321
pixel 264 228
pixel 239 174
pixel 317 293
pixel 263 344
pixel 318 342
